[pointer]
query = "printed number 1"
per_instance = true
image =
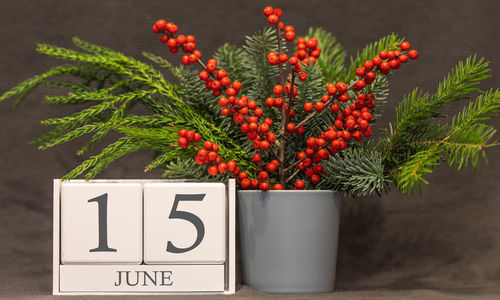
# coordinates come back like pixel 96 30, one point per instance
pixel 184 215
pixel 102 203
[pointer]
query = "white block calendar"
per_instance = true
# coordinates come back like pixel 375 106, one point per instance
pixel 143 237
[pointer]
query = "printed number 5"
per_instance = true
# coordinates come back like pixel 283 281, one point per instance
pixel 184 215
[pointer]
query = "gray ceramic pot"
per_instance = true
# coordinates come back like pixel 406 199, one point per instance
pixel 289 240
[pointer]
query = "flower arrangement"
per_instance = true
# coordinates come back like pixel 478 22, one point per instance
pixel 268 117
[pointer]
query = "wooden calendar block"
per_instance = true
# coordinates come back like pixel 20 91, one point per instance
pixel 101 223
pixel 184 223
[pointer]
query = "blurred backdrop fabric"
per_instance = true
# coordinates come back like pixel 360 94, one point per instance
pixel 446 239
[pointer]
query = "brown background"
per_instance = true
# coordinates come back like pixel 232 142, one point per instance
pixel 448 239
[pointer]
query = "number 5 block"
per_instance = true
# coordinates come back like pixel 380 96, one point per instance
pixel 184 223
pixel 101 223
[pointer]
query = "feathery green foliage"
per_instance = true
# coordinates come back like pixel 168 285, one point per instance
pixel 356 171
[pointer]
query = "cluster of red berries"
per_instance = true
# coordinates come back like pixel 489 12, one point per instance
pixel 185 43
pixel 351 123
pixel 207 153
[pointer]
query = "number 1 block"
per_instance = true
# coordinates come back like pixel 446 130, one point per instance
pixel 184 223
pixel 101 223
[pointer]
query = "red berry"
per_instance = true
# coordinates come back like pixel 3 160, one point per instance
pixel 230 92
pixel 268 11
pixel 190 47
pixel 258 112
pixel 278 90
pixel 270 102
pixel 370 76
pixel 299 184
pixel 222 168
pixel 160 24
pixel 264 145
pixel 256 157
pixel 216 84
pixel 331 89
pixel 300 130
pixel 343 98
pixel 211 67
pixel 290 127
pixel 293 60
pixel 335 107
pixel 377 61
pixel 181 39
pixel 243 175
pixel 255 183
pixel 312 43
pixel 395 64
pixel 360 84
pixel 319 106
pixel 190 135
pixel 278 102
pixel 308 106
pixel 192 58
pixel 223 101
pixel 183 142
pixel 303 76
pixel 368 65
pixel 271 138
pixel 270 167
pixel 290 36
pixel 385 67
pixel 278 12
pixel 383 54
pixel 155 29
pixel 277 186
pixel 273 19
pixel 236 85
pixel 185 60
pixel 263 175
pixel 367 116
pixel 182 132
pixel 283 58
pixel 264 186
pixel 341 87
pixel 197 137
pixel 245 183
pixel 315 179
pixel 190 39
pixel 404 46
pixel 203 75
pixel 413 54
pixel 360 71
pixel 273 59
pixel 225 81
pixel 212 170
pixel 208 145
pixel 311 142
pixel 172 28
pixel 403 58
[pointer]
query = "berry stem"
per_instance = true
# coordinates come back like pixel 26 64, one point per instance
pixel 282 132
pixel 292 176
